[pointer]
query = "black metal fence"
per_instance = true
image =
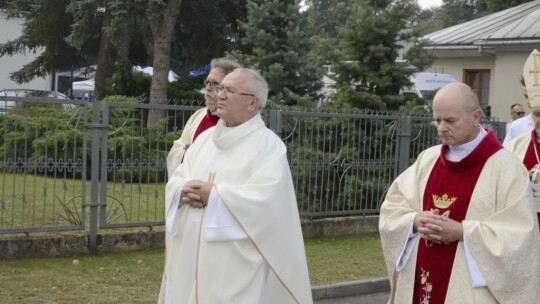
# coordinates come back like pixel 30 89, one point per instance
pixel 74 165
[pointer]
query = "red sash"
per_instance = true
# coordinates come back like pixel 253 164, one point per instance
pixel 530 159
pixel 208 121
pixel 449 189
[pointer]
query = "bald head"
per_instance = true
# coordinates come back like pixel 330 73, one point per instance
pixel 459 94
pixel 456 113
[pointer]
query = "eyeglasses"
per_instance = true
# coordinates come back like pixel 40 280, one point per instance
pixel 220 88
pixel 213 84
pixel 519 113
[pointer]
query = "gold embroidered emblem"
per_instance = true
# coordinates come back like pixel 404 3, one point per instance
pixel 443 201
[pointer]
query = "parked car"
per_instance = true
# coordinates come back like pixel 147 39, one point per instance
pixel 6 104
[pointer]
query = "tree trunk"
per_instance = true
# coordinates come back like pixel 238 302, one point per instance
pixel 162 31
pixel 105 64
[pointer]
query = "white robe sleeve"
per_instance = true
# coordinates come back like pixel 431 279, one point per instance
pixel 407 249
pixel 220 225
pixel 477 279
pixel 171 223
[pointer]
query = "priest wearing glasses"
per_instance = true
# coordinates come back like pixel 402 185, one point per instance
pixel 233 231
pixel 204 118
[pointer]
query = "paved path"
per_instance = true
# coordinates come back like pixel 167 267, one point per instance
pixel 374 298
pixel 370 291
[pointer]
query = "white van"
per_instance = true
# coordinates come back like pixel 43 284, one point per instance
pixel 426 84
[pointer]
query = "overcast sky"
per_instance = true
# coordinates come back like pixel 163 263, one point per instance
pixel 429 3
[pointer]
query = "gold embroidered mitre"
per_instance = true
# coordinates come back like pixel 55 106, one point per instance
pixel 531 75
pixel 443 201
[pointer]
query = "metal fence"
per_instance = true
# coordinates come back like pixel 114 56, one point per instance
pixel 74 165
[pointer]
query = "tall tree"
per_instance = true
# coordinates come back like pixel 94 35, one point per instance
pixel 276 35
pixel 429 20
pixel 162 17
pixel 499 5
pixel 45 26
pixel 111 24
pixel 205 30
pixel 365 53
pixel 325 15
pixel 459 11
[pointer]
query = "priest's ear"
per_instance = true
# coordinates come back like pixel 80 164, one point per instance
pixel 253 105
pixel 477 116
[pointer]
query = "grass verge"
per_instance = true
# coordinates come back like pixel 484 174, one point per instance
pixel 135 277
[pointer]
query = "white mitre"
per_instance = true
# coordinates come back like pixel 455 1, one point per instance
pixel 531 75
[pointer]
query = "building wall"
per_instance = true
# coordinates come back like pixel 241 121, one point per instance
pixel 10 30
pixel 506 69
pixel 507 89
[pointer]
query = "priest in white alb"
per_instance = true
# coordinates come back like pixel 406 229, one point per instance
pixel 204 118
pixel 458 226
pixel 233 230
pixel 527 146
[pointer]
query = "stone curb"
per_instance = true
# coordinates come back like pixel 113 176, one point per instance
pixel 351 288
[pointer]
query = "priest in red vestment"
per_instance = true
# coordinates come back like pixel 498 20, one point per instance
pixel 458 226
pixel 204 118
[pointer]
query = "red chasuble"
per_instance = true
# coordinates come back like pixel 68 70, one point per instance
pixel 531 159
pixel 208 121
pixel 449 189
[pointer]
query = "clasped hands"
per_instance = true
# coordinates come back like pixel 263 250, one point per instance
pixel 195 193
pixel 437 228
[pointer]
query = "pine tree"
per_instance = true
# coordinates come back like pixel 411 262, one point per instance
pixel 366 50
pixel 45 26
pixel 499 5
pixel 278 41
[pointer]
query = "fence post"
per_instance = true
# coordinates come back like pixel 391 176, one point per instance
pixel 94 175
pixel 404 147
pixel 275 122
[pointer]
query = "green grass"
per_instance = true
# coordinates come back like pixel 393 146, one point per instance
pixel 338 259
pixel 135 277
pixel 32 200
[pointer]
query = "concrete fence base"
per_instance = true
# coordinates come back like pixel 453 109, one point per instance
pixel 16 247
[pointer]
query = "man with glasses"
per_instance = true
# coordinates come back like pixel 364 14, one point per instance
pixel 204 118
pixel 516 112
pixel 232 225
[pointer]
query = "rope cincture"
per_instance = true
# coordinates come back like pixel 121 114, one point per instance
pixel 211 178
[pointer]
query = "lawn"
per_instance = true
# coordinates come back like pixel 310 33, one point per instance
pixel 135 277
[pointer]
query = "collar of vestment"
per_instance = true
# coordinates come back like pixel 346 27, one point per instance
pixel 208 121
pixel 211 116
pixel 481 148
pixel 225 137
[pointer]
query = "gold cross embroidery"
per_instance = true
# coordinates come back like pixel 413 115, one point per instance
pixel 536 69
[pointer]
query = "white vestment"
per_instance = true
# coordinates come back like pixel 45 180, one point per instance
pixel 174 159
pixel 500 229
pixel 519 145
pixel 254 184
pixel 518 127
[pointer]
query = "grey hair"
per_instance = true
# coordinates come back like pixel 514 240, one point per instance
pixel 256 85
pixel 224 64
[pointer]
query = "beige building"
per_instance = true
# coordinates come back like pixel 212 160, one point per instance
pixel 488 54
pixel 11 29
